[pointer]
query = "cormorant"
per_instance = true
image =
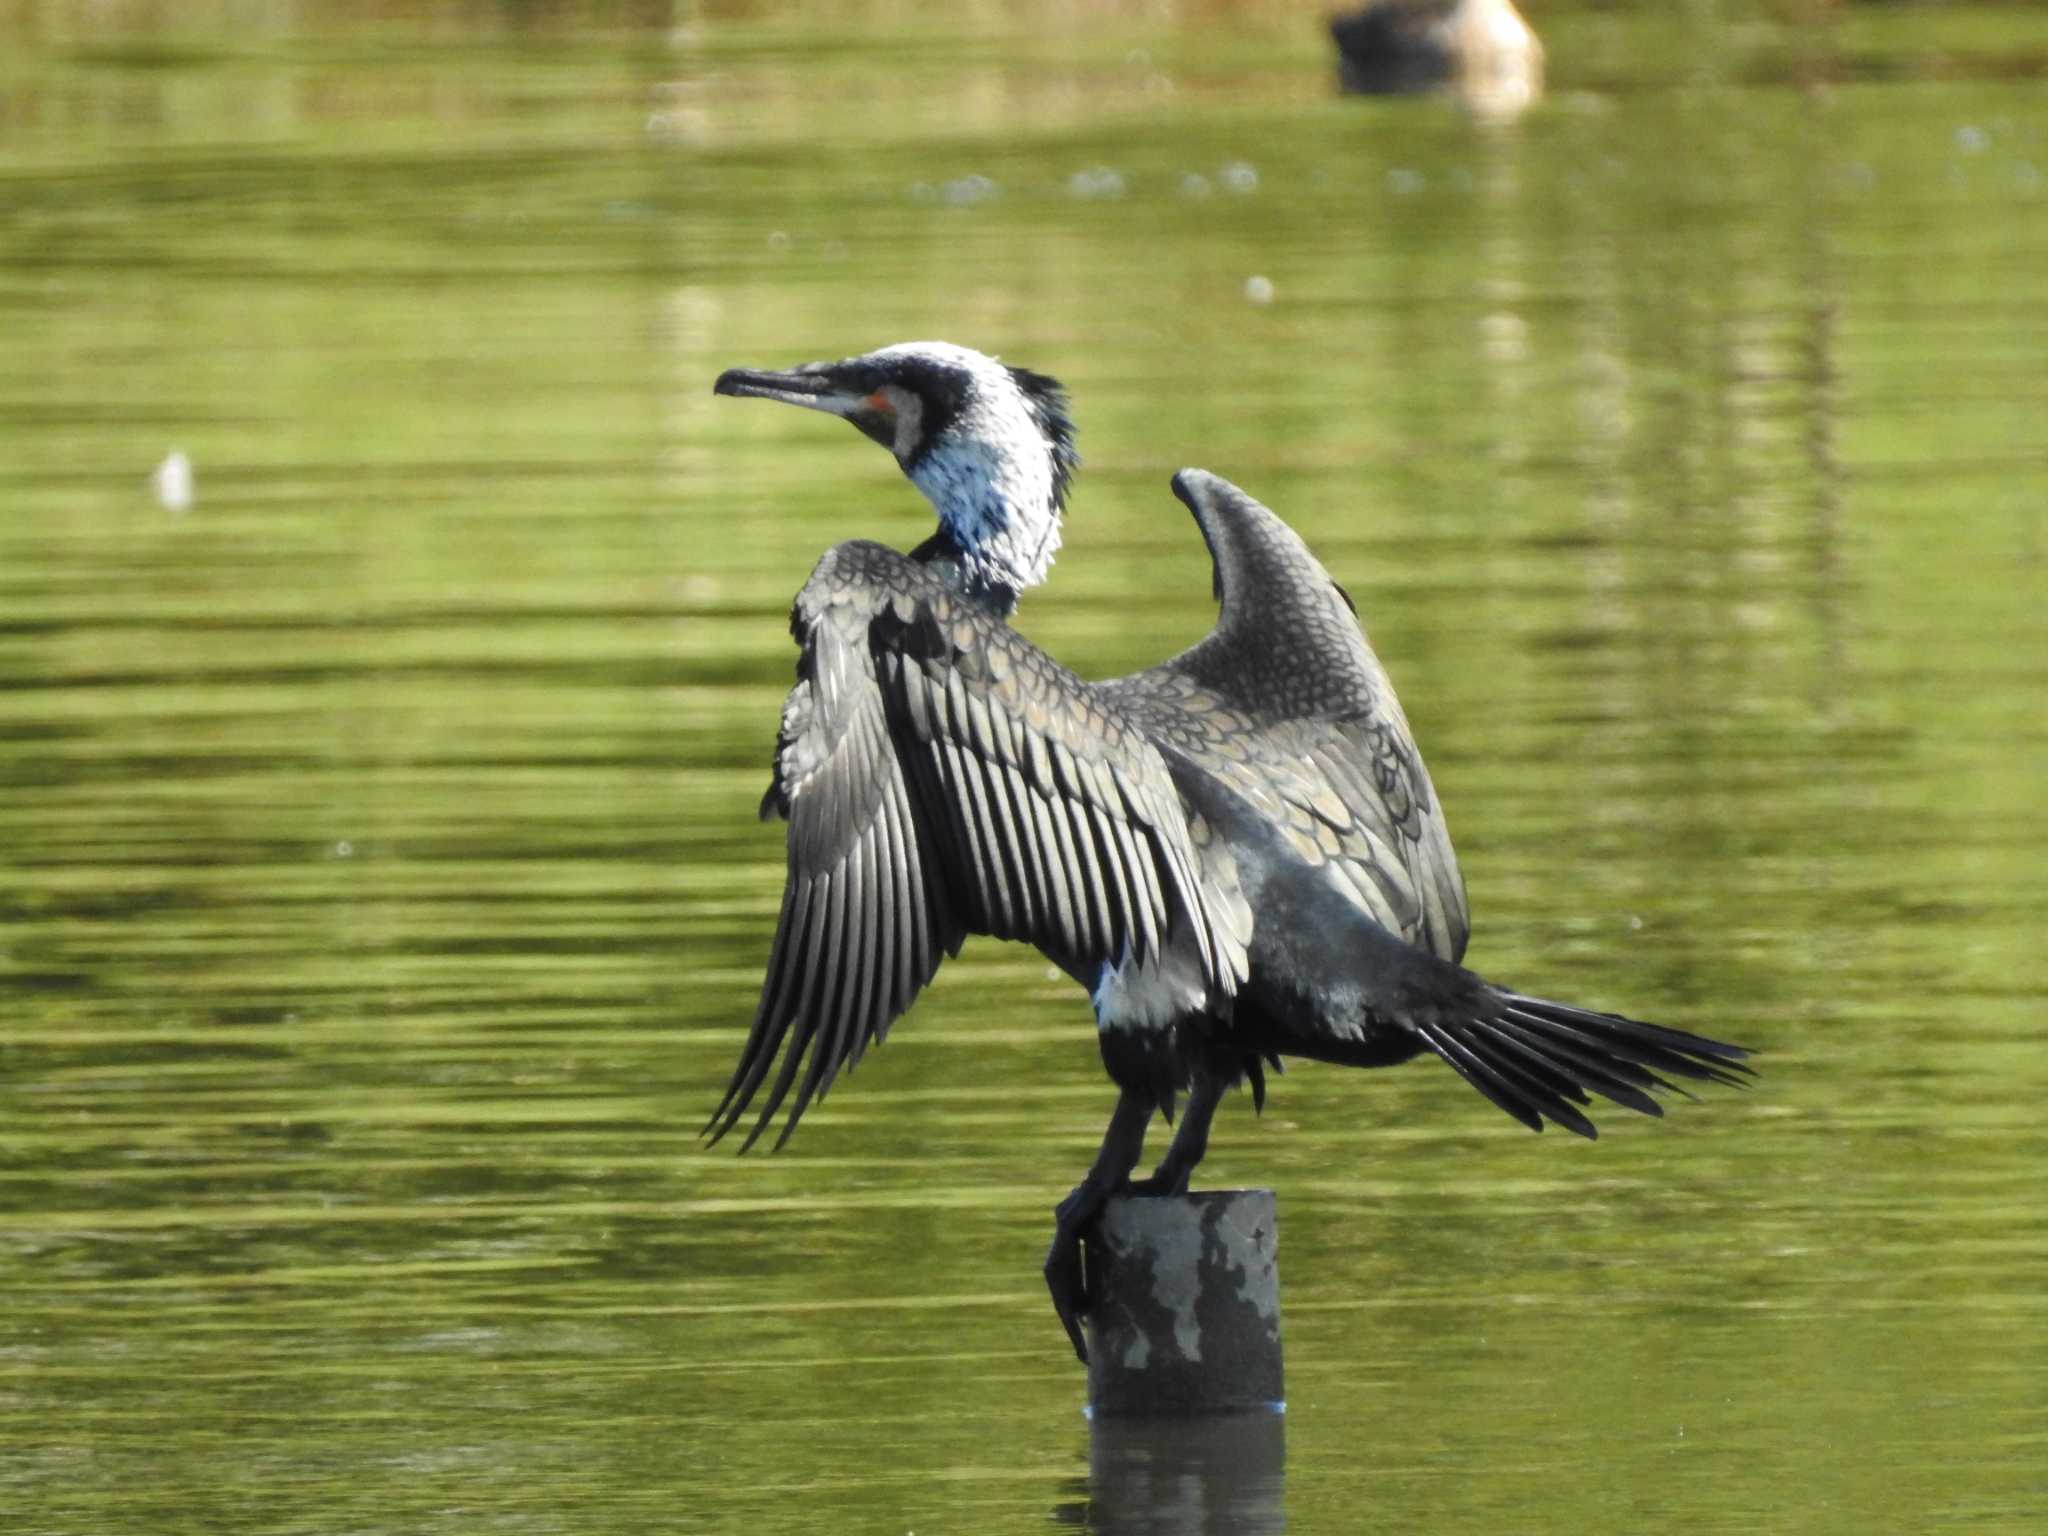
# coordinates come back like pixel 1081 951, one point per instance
pixel 1481 49
pixel 1236 853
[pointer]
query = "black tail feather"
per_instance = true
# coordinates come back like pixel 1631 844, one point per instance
pixel 1622 1077
pixel 1537 1059
pixel 1649 1045
pixel 1624 1085
pixel 1515 1091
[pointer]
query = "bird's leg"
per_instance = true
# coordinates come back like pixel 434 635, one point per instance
pixel 1122 1145
pixel 1190 1140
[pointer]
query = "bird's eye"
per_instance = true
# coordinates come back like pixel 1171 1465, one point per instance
pixel 880 401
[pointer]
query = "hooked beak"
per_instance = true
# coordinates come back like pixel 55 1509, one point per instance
pixel 811 388
pixel 815 388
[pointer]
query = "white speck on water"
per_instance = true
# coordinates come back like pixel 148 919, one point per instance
pixel 964 191
pixel 778 240
pixel 674 115
pixel 1259 290
pixel 1635 923
pixel 1405 183
pixel 1240 177
pixel 344 849
pixel 1972 140
pixel 1097 182
pixel 173 483
pixel 1195 184
pixel 1504 336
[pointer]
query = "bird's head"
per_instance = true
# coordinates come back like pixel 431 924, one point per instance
pixel 990 446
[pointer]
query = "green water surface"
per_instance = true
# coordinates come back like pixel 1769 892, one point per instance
pixel 382 904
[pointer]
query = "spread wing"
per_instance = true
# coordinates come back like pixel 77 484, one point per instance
pixel 943 776
pixel 1347 793
pixel 1286 704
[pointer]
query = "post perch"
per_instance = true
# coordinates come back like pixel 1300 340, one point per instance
pixel 1184 1305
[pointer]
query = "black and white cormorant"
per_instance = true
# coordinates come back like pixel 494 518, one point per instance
pixel 1236 853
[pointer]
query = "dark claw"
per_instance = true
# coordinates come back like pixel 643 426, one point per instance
pixel 1069 1295
pixel 1063 1275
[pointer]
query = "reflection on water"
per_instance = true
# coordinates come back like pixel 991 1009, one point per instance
pixel 381 901
pixel 1225 1473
